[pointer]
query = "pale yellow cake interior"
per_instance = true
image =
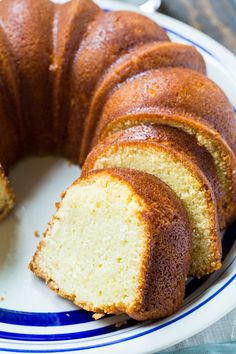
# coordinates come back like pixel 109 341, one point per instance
pixel 172 171
pixel 93 250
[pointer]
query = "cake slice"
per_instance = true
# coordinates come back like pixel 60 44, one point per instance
pixel 7 198
pixel 177 159
pixel 120 241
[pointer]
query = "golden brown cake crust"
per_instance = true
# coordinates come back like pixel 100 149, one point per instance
pixel 109 36
pixel 143 58
pixel 11 132
pixel 70 26
pixel 166 262
pixel 28 28
pixel 178 91
pixel 55 74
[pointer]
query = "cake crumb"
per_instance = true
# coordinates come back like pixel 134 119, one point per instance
pixel 121 324
pixel 53 67
pixel 97 316
pixel 57 205
pixel 36 233
pixel 2 298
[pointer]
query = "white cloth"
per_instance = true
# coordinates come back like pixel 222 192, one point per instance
pixel 223 330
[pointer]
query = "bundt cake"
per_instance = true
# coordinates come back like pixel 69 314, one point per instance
pixel 120 241
pixel 185 99
pixel 177 159
pixel 73 75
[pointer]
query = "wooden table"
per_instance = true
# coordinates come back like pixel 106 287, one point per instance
pixel 217 18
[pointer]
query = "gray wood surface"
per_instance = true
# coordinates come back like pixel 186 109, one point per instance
pixel 217 18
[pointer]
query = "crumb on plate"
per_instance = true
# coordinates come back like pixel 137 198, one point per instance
pixel 36 233
pixel 97 316
pixel 121 324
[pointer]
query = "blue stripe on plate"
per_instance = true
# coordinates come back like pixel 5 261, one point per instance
pixel 154 329
pixel 45 319
pixel 63 336
pixel 191 41
pixel 90 333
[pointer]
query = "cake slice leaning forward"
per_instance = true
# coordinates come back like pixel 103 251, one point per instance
pixel 120 241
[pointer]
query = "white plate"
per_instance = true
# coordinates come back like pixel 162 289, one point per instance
pixel 34 319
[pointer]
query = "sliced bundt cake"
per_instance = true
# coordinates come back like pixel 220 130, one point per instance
pixel 120 241
pixel 72 75
pixel 48 80
pixel 185 99
pixel 187 168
